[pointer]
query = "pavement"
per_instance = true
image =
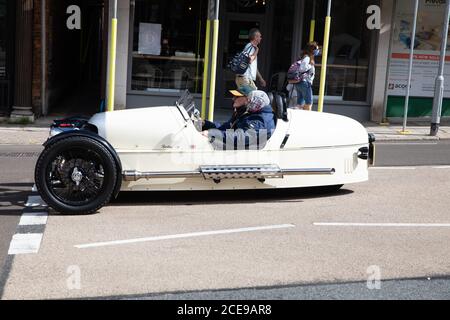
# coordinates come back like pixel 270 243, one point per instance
pixel 37 133
pixel 419 131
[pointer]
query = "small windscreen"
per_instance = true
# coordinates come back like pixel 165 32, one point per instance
pixel 187 101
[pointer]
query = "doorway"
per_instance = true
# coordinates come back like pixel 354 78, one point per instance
pixel 7 34
pixel 237 29
pixel 77 59
pixel 238 19
pixel 280 23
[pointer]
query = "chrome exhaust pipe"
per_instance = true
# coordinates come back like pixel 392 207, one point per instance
pixel 137 175
pixel 307 172
pixel 228 172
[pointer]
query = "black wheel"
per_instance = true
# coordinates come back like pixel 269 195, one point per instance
pixel 76 175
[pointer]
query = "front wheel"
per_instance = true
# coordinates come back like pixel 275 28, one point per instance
pixel 76 175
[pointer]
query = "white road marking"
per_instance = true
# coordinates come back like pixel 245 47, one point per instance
pixel 25 243
pixel 184 235
pixel 395 225
pixel 33 218
pixel 35 201
pixel 393 168
pixel 409 168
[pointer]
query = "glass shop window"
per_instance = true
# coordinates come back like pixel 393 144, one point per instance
pixel 350 48
pixel 246 6
pixel 3 38
pixel 168 45
pixel 281 44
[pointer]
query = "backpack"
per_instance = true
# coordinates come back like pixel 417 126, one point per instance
pixel 295 74
pixel 240 62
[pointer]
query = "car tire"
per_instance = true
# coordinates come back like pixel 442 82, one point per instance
pixel 86 153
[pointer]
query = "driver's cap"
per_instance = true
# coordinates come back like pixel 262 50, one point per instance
pixel 236 93
pixel 242 91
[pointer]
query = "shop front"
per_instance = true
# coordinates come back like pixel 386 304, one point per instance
pixel 352 55
pixel 167 44
pixel 427 48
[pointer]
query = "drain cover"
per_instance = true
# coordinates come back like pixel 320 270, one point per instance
pixel 19 154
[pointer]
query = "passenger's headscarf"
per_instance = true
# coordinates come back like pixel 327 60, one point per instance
pixel 257 100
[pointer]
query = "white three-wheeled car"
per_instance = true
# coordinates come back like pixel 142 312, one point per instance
pixel 85 163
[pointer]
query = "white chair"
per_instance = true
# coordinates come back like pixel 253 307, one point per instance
pixel 147 76
pixel 180 79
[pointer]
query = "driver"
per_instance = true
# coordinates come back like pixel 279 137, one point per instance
pixel 250 126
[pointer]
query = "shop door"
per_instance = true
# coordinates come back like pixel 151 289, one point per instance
pixel 235 36
pixel 77 59
pixel 7 11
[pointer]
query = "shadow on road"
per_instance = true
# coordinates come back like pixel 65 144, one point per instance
pixel 183 198
pixel 13 197
pixel 419 288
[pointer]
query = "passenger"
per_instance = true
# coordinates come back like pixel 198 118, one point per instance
pixel 250 126
pixel 303 85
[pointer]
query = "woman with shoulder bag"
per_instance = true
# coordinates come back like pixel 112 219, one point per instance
pixel 304 80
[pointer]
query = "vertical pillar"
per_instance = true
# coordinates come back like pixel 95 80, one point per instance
pixel 411 62
pixel 122 54
pixel 381 64
pixel 323 69
pixel 43 19
pixel 112 59
pixel 215 43
pixel 22 107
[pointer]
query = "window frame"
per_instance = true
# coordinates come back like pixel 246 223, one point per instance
pixel 129 90
pixel 371 67
pixel 299 25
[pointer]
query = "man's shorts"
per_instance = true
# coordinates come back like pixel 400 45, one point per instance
pixel 304 93
pixel 245 81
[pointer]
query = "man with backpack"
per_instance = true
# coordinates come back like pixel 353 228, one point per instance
pixel 251 74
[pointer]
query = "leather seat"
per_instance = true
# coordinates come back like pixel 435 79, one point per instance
pixel 270 95
pixel 279 105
